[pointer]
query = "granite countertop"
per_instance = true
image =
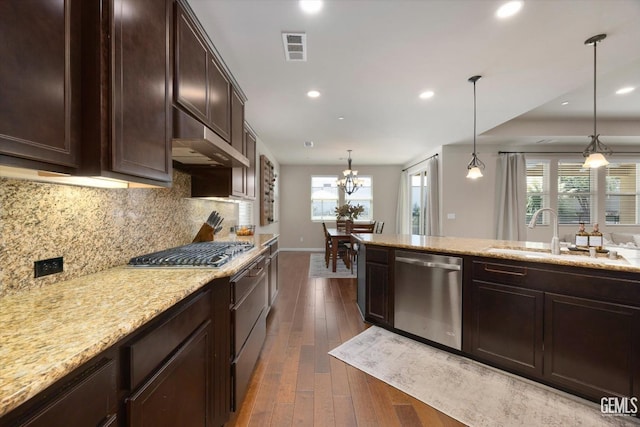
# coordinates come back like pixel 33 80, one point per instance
pixel 628 259
pixel 48 332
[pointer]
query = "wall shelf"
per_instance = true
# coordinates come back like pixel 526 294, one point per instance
pixel 267 190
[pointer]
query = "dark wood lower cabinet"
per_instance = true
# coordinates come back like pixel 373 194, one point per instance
pixel 507 326
pixel 179 393
pixel 173 371
pixel 592 347
pixel 379 294
pixel 574 328
pixel 90 400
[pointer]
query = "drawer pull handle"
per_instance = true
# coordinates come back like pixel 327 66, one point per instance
pixel 513 273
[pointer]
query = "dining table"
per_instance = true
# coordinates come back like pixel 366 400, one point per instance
pixel 337 236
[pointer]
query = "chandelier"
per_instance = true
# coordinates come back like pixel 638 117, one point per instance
pixel 350 182
pixel 596 150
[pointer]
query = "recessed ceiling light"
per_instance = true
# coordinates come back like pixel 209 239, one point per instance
pixel 310 6
pixel 426 94
pixel 313 94
pixel 308 144
pixel 340 118
pixel 565 103
pixel 625 90
pixel 509 9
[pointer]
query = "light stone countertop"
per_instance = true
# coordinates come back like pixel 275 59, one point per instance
pixel 629 259
pixel 45 333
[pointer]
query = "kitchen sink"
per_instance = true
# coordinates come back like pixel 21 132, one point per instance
pixel 565 254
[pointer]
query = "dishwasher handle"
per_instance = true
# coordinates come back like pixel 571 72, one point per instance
pixel 431 264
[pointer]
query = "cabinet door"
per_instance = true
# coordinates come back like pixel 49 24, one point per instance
pixel 507 326
pixel 178 394
pixel 250 172
pixel 219 102
pixel 40 117
pixel 377 294
pixel 191 59
pixel 591 346
pixel 141 89
pixel 237 122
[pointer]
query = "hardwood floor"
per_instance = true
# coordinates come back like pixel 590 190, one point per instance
pixel 297 383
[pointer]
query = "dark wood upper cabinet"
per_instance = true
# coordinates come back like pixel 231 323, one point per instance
pixel 127 124
pixel 141 88
pixel 201 86
pixel 250 172
pixel 191 60
pixel 219 111
pixel 237 122
pixel 40 82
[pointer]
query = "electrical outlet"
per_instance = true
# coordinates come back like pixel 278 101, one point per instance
pixel 45 267
pixel 301 239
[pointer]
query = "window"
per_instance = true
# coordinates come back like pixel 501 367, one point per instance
pixel 363 196
pixel 418 202
pixel 575 193
pixel 537 189
pixel 324 197
pixel 609 195
pixel 622 194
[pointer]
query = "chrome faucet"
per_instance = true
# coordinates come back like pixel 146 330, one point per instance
pixel 555 241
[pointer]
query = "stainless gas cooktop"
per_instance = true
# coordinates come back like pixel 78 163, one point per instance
pixel 203 254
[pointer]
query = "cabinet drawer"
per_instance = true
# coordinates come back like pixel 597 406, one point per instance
pixel 245 281
pixel 378 255
pixel 273 248
pixel 90 400
pixel 244 364
pixel 147 352
pixel 247 311
pixel 498 272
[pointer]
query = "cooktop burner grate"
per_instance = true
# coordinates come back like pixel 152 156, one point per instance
pixel 203 254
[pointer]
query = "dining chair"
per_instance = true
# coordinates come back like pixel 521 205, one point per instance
pixel 343 250
pixel 379 226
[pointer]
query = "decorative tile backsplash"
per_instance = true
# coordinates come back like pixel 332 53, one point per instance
pixel 93 228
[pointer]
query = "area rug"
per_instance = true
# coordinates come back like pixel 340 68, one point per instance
pixel 466 390
pixel 317 268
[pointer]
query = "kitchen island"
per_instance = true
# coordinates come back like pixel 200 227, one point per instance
pixel 569 320
pixel 52 332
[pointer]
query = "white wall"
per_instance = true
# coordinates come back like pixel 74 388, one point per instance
pixel 470 202
pixel 298 232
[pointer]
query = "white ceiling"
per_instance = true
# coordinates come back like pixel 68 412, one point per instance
pixel 371 58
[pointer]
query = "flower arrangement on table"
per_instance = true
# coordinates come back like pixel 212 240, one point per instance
pixel 348 211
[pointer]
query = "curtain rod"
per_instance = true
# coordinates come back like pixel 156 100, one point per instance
pixel 560 152
pixel 417 163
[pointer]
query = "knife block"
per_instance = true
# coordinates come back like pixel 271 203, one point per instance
pixel 205 234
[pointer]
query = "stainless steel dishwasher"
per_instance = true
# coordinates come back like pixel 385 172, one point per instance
pixel 428 297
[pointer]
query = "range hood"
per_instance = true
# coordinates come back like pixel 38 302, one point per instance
pixel 196 144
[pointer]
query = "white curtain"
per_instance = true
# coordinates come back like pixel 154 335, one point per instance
pixel 511 197
pixel 403 210
pixel 432 217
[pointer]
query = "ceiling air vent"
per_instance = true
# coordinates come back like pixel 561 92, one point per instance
pixel 295 46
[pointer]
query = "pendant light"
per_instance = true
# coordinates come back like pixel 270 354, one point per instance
pixel 350 181
pixel 596 150
pixel 475 166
